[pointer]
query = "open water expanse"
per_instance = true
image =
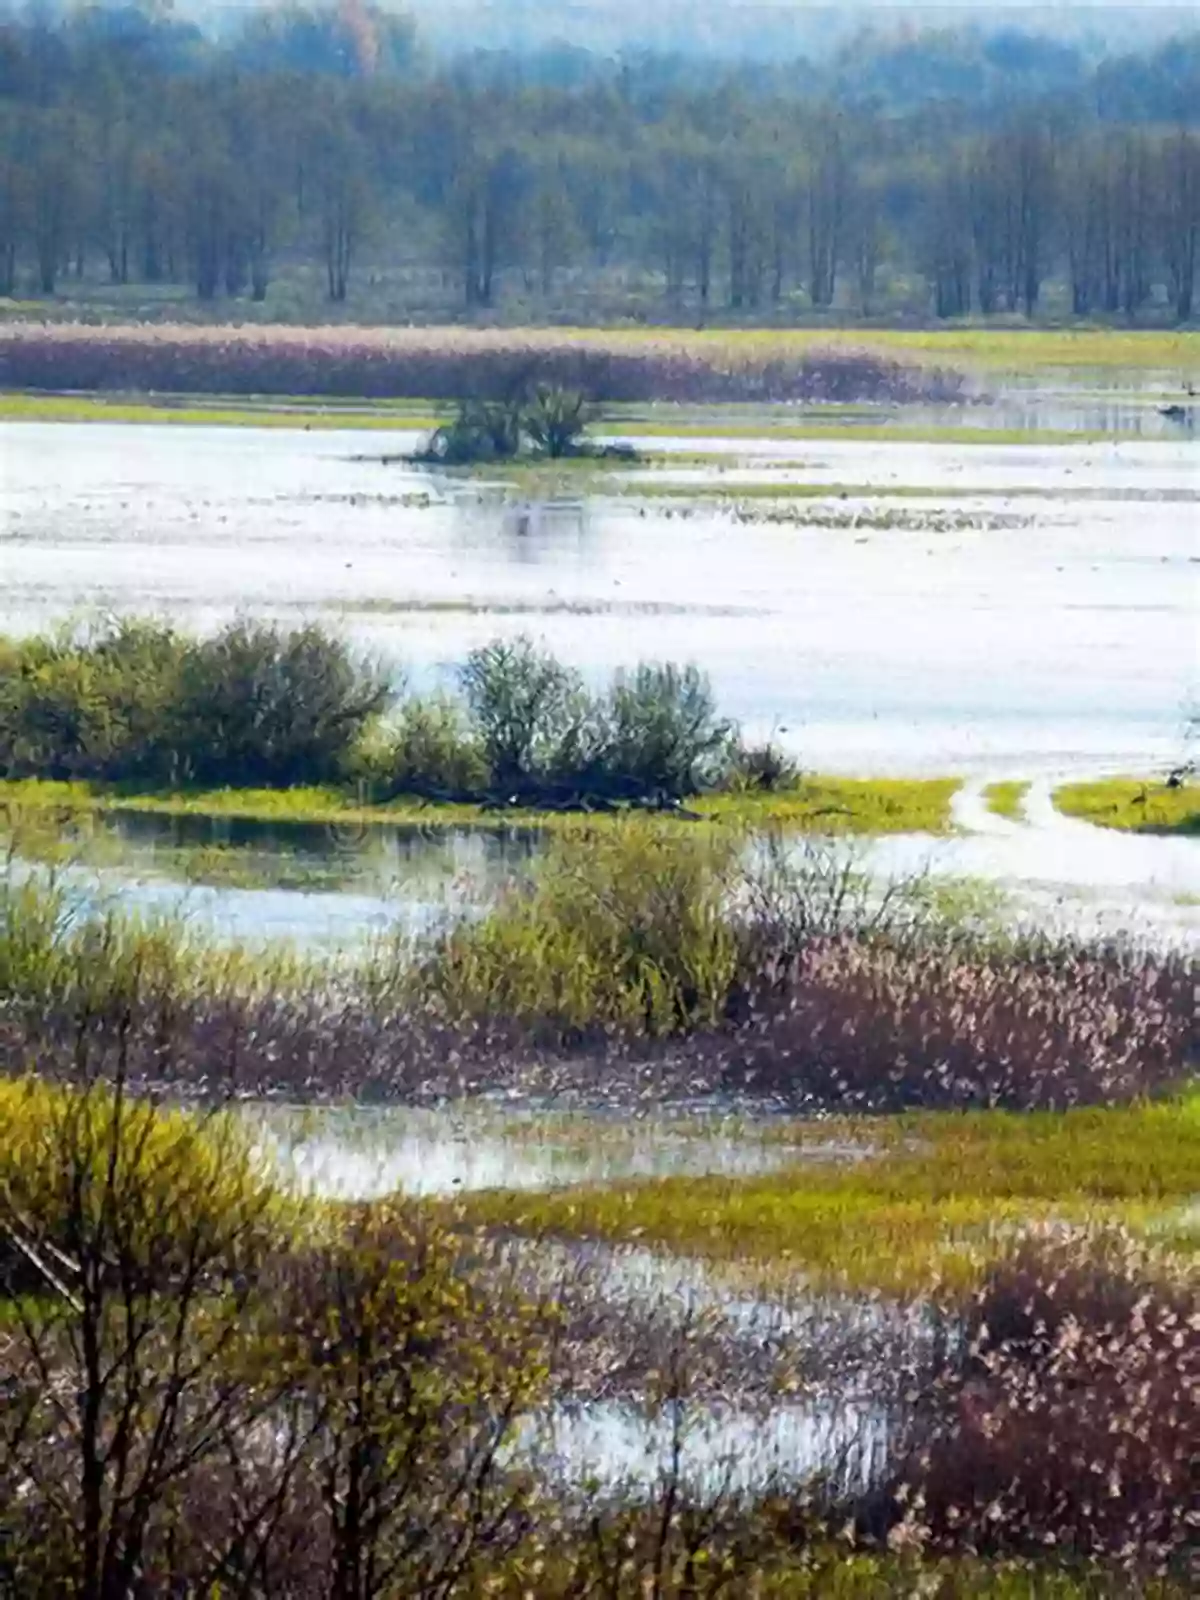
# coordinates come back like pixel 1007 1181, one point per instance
pixel 1008 610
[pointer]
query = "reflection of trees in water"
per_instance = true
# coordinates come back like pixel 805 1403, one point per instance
pixel 393 859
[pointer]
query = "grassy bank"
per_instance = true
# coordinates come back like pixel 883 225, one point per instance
pixel 900 1203
pixel 312 416
pixel 811 805
pixel 191 411
pixel 1138 805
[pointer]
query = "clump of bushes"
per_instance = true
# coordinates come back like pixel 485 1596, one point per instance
pixel 791 980
pixel 626 930
pixel 655 729
pixel 210 1388
pixel 140 702
pixel 256 705
pixel 547 424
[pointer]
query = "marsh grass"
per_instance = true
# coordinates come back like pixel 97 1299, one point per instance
pixel 1134 804
pixel 1007 799
pixel 186 412
pixel 816 803
pixel 939 1199
pixel 1074 1419
pixel 623 931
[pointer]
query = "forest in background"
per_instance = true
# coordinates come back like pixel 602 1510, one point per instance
pixel 301 159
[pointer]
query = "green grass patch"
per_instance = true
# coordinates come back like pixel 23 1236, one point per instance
pixel 1013 349
pixel 1007 799
pixel 1138 805
pixel 934 1202
pixel 815 805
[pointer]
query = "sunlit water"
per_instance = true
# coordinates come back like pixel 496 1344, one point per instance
pixel 335 891
pixel 878 648
pixel 1031 613
pixel 362 1153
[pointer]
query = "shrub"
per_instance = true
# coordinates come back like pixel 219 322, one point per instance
pixel 91 707
pixel 76 1163
pixel 481 431
pixel 530 712
pixel 426 749
pixel 625 929
pixel 135 701
pixel 258 705
pixel 421 1368
pixel 661 729
pixel 761 767
pixel 554 420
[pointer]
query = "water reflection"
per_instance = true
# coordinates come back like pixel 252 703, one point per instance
pixel 363 1153
pixel 724 1450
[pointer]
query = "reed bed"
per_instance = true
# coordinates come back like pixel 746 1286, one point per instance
pixel 444 364
pixel 644 962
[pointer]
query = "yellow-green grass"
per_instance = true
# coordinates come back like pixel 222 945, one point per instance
pixel 933 1203
pixel 1012 348
pixel 1007 799
pixel 1015 349
pixel 323 416
pixel 817 804
pixel 30 407
pixel 819 1567
pixel 1139 805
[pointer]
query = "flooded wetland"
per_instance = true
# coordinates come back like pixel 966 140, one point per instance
pixel 769 1203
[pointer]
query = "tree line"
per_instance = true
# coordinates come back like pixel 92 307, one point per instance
pixel 142 158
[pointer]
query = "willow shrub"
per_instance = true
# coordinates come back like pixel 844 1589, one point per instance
pixel 625 928
pixel 91 707
pixel 255 704
pixel 83 1164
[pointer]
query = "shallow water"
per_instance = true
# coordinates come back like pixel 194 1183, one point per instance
pixel 723 1451
pixel 250 882
pixel 362 1153
pixel 923 647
